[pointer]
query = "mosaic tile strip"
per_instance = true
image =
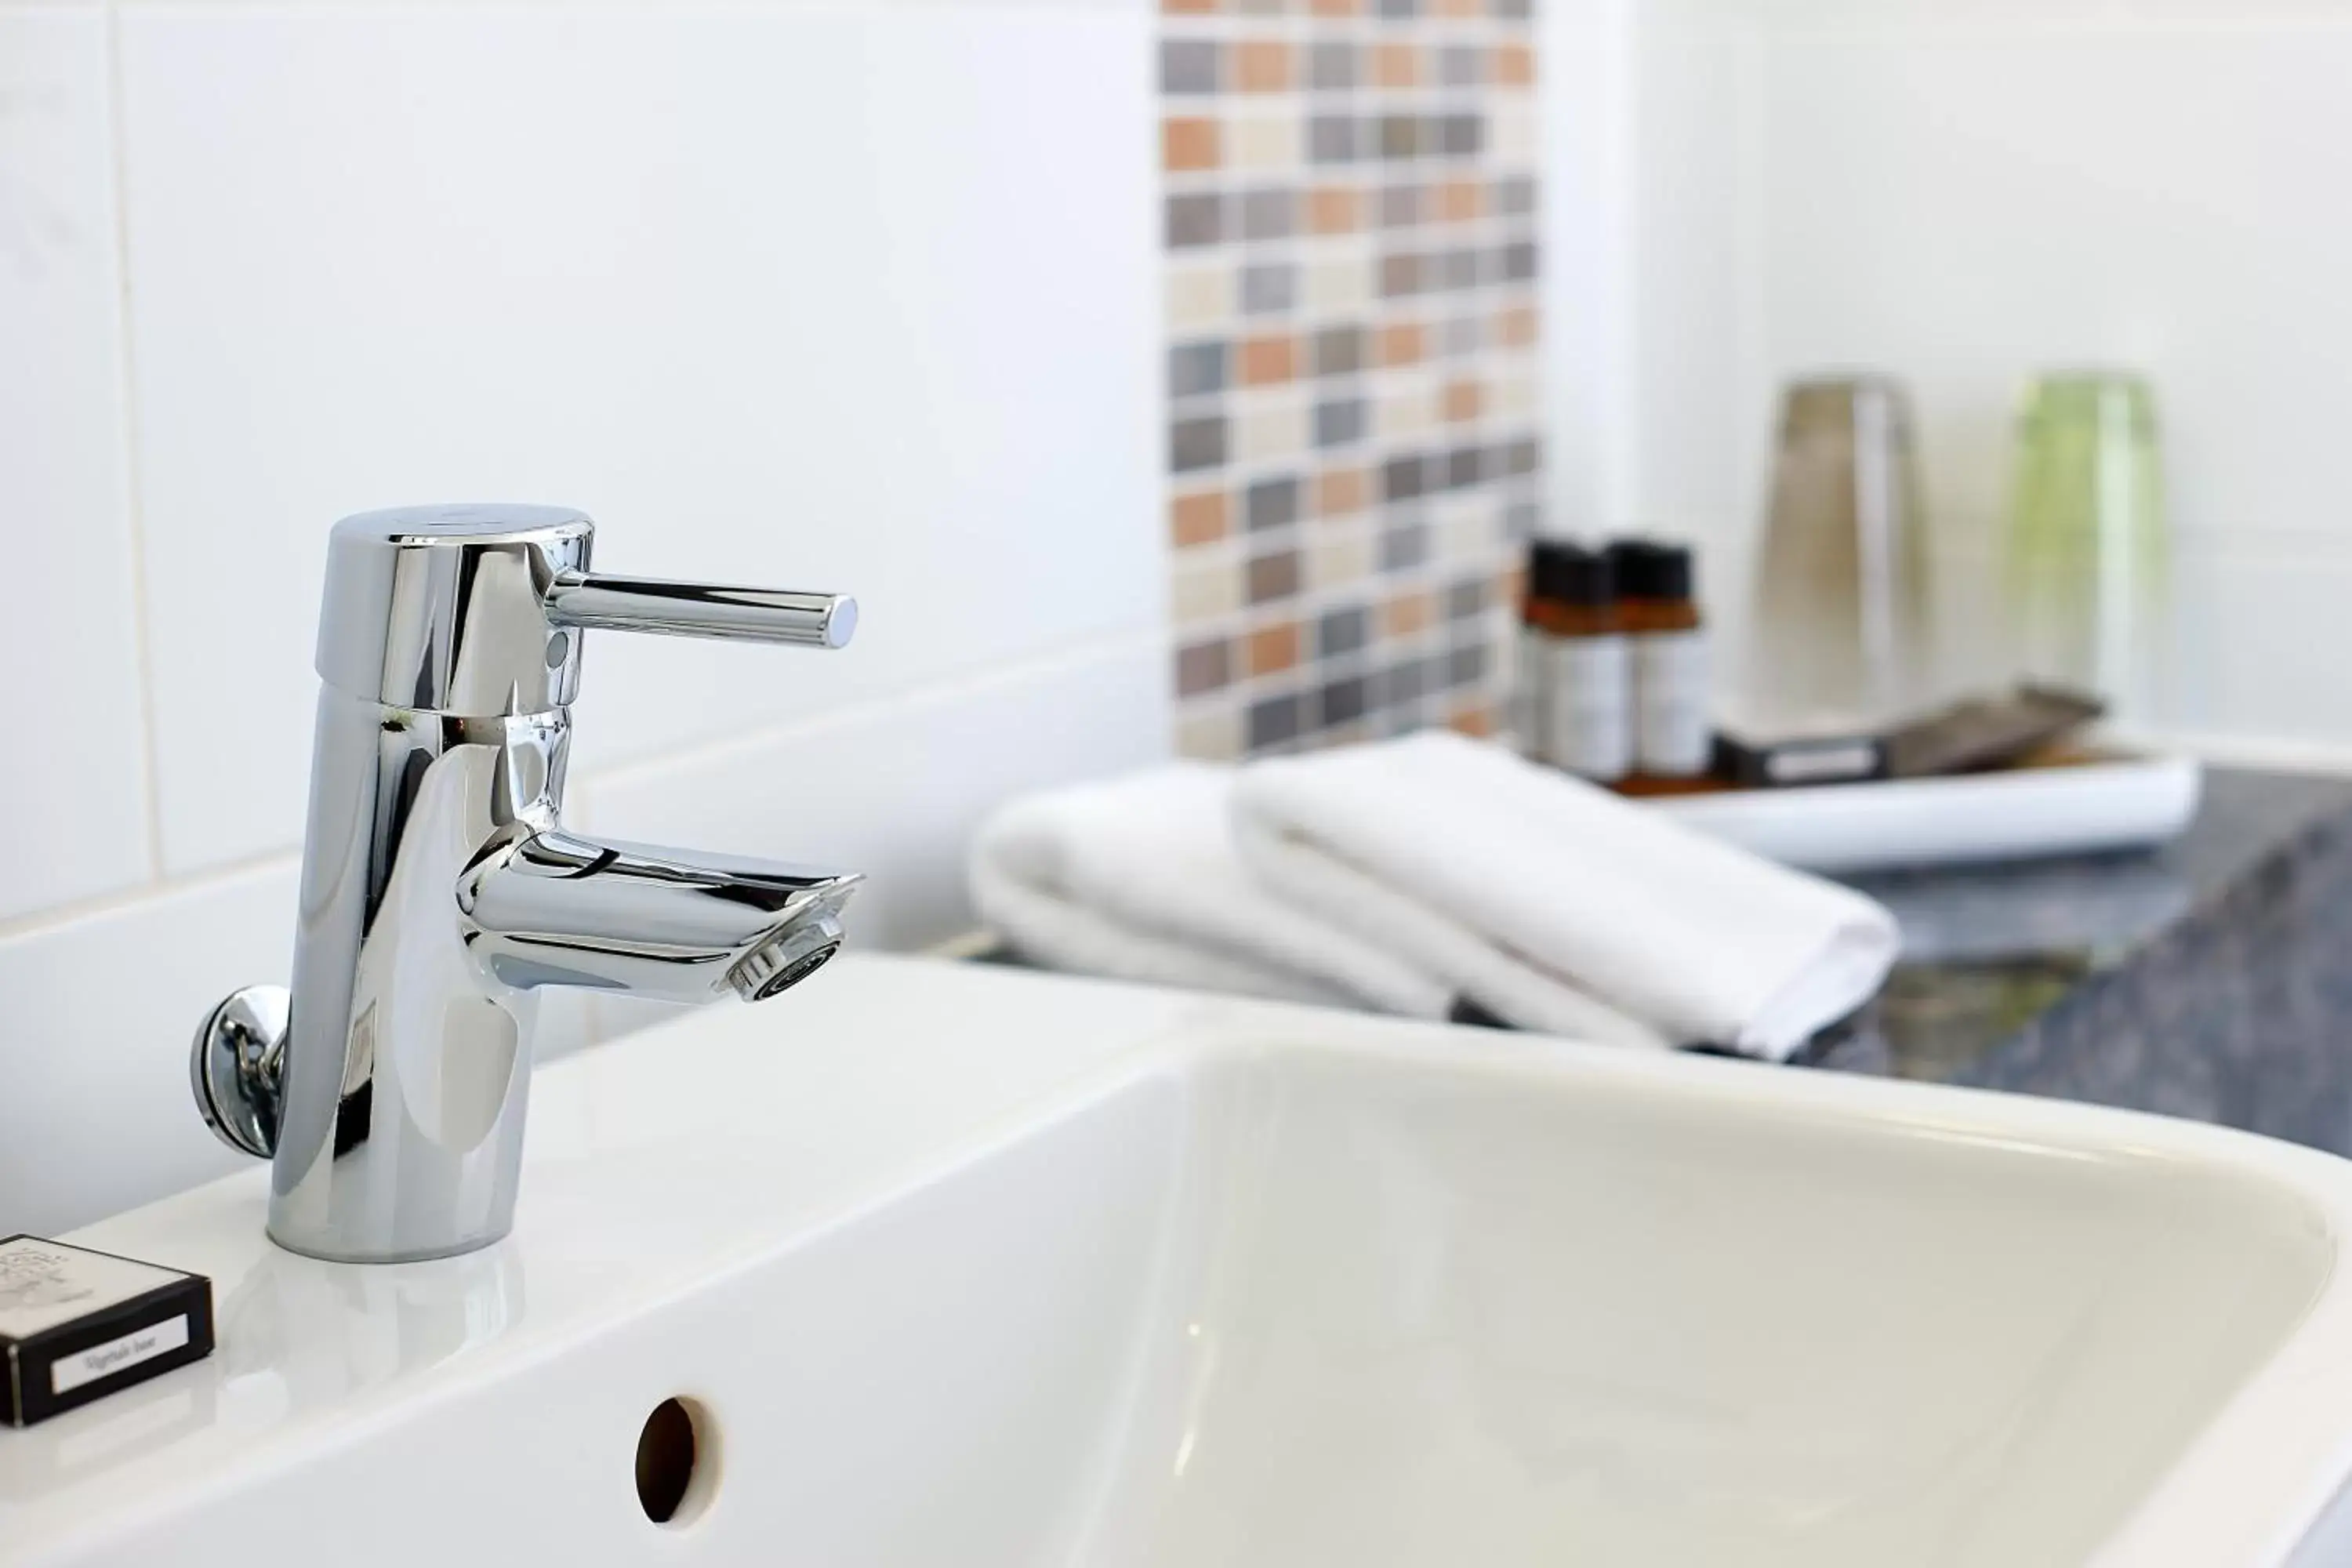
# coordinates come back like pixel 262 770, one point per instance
pixel 1349 195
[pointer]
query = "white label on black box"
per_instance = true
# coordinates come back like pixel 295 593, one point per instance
pixel 1828 760
pixel 1589 727
pixel 68 1373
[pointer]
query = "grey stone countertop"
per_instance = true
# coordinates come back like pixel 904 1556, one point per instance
pixel 2212 979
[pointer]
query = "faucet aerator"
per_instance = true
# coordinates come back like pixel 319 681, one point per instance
pixel 787 958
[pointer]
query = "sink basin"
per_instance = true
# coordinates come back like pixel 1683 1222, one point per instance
pixel 950 1265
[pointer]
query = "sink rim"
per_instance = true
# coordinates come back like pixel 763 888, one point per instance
pixel 2248 1488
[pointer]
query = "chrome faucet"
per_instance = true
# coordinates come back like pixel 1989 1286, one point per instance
pixel 441 891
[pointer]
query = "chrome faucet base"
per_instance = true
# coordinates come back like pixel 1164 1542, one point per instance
pixel 441 891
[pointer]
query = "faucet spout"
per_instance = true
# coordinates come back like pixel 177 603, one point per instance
pixel 557 908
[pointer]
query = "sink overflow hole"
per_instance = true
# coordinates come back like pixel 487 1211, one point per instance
pixel 672 1452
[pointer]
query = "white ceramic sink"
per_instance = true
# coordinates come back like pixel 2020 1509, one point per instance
pixel 962 1266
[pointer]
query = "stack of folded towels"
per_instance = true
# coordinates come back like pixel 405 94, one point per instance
pixel 1432 877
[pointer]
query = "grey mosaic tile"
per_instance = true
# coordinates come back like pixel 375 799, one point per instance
pixel 1333 66
pixel 1269 214
pixel 1269 287
pixel 1273 720
pixel 1274 576
pixel 1466 598
pixel 1270 503
pixel 1344 700
pixel 1520 260
pixel 1461 135
pixel 1195 219
pixel 1522 521
pixel 1461 64
pixel 1341 421
pixel 1403 477
pixel 1196 368
pixel 1342 631
pixel 1331 139
pixel 1190 65
pixel 1340 350
pixel 1515 195
pixel 1466 664
pixel 1197 443
pixel 1399 206
pixel 1204 666
pixel 1404 545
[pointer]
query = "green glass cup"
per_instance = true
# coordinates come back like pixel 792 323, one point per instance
pixel 2086 556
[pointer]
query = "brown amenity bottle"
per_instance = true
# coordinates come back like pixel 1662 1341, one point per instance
pixel 1586 724
pixel 1531 688
pixel 1673 733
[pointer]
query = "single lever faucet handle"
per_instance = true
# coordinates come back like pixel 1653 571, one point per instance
pixel 598 600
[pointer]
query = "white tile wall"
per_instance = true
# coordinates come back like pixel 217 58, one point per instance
pixel 1967 191
pixel 70 636
pixel 850 295
pixel 836 298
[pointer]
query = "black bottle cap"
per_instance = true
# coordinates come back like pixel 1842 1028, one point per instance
pixel 1586 576
pixel 1546 560
pixel 1647 569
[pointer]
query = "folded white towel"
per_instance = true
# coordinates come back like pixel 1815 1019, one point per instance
pixel 1137 878
pixel 1533 894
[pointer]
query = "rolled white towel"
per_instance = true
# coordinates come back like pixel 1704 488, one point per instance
pixel 1539 896
pixel 1137 878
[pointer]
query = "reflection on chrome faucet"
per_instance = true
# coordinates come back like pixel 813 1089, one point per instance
pixel 441 891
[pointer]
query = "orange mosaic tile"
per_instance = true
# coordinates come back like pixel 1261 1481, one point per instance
pixel 1335 209
pixel 1262 65
pixel 1514 65
pixel 1189 142
pixel 1517 326
pixel 1274 648
pixel 1189 7
pixel 1338 492
pixel 1409 613
pixel 1396 65
pixel 1404 342
pixel 1462 400
pixel 1336 8
pixel 1201 518
pixel 1460 200
pixel 1473 718
pixel 1269 361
